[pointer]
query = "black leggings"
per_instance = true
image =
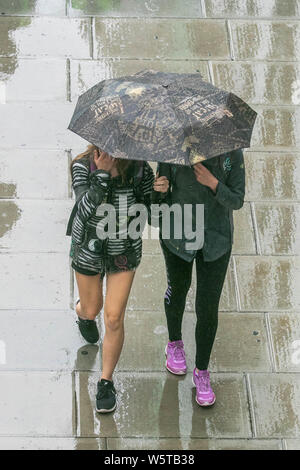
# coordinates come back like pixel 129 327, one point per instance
pixel 210 280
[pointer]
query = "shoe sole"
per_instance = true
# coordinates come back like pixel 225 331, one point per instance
pixel 181 372
pixel 106 411
pixel 203 404
pixel 175 373
pixel 90 342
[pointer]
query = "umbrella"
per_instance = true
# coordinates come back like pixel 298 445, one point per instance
pixel 169 117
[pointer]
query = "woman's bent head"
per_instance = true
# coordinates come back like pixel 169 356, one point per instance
pixel 120 163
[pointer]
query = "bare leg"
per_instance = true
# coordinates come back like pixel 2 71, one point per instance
pixel 90 294
pixel 118 289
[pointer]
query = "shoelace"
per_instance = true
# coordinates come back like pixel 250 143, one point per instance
pixel 179 353
pixel 104 391
pixel 204 382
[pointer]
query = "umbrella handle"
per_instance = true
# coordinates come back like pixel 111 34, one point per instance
pixel 164 170
pixel 92 164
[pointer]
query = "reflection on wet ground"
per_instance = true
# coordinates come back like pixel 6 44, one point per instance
pixel 50 52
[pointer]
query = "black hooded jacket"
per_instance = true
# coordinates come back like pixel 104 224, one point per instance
pixel 229 169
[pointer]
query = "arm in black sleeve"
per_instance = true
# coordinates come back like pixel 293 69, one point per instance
pixel 232 193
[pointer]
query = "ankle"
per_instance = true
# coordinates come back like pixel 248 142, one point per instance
pixel 78 309
pixel 81 316
pixel 79 312
pixel 106 377
pixel 83 319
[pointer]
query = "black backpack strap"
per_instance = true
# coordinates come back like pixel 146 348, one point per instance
pixel 74 210
pixel 71 218
pixel 138 175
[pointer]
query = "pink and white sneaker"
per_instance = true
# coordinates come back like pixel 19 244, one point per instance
pixel 176 362
pixel 204 393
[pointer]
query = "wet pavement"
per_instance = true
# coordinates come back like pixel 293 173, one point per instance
pixel 50 52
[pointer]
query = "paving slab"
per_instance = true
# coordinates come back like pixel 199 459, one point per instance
pixel 150 285
pixel 44 36
pixel 192 444
pixel 10 215
pixel 146 336
pixel 38 125
pixel 151 246
pixel 26 225
pixel 28 183
pixel 285 330
pixel 85 73
pixel 144 9
pixel 276 405
pixel 264 83
pixel 159 405
pixel 41 332
pixel 255 8
pixel 27 401
pixel 266 172
pixel 41 281
pixel 268 282
pixel 278 227
pixel 51 443
pixel 33 7
pixel 34 79
pixel 247 349
pixel 243 237
pixel 162 38
pixel 292 444
pixel 276 128
pixel 265 40
pixel 145 339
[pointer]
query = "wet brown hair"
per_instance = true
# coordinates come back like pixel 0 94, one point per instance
pixel 121 164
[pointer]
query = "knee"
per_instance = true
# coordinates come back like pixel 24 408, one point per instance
pixel 90 312
pixel 113 320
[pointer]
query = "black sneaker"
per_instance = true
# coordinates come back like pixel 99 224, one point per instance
pixel 88 329
pixel 106 396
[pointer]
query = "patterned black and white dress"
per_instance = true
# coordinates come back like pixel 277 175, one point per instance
pixel 89 254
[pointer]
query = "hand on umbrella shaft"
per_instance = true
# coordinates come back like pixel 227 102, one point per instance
pixel 161 184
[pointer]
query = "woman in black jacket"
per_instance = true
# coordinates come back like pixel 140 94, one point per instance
pixel 219 185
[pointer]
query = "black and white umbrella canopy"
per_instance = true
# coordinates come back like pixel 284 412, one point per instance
pixel 169 117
